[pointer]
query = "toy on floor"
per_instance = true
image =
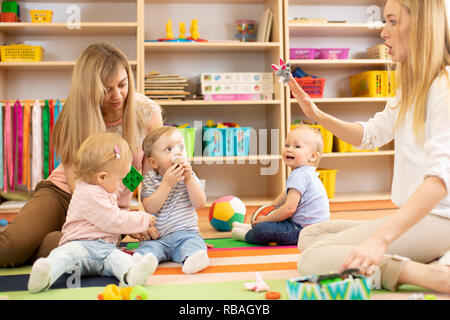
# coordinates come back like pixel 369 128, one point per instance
pixel 224 211
pixel 264 210
pixel 132 179
pixel 258 286
pixel 273 295
pixel 347 285
pixel 3 222
pixel 283 71
pixel 112 292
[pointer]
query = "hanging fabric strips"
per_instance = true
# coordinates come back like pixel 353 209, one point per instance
pixel 26 178
pixel 36 152
pixel 58 107
pixel 8 169
pixel 18 119
pixel 1 144
pixel 50 138
pixel 46 136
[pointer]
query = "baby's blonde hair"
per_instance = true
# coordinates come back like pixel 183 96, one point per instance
pixel 153 136
pixel 100 150
pixel 317 139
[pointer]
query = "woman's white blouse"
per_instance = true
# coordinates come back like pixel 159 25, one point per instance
pixel 414 162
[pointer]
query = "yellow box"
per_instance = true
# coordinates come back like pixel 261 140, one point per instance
pixel 375 84
pixel 41 16
pixel 342 146
pixel 327 136
pixel 21 53
pixel 328 178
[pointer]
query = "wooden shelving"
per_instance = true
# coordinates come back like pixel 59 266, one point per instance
pixel 62 29
pixel 216 46
pixel 44 65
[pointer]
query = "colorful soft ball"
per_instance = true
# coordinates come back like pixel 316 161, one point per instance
pixel 224 211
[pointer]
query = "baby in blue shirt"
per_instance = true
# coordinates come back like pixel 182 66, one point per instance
pixel 305 201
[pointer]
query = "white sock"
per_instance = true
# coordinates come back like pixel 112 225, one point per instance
pixel 143 268
pixel 243 226
pixel 239 233
pixel 196 262
pixel 40 276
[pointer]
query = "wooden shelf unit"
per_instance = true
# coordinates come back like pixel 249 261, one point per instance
pixel 352 167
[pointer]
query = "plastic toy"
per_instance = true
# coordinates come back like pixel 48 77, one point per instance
pixel 348 285
pixel 3 222
pixel 169 33
pixel 195 35
pixel 224 211
pixel 273 295
pixel 257 286
pixel 182 31
pixel 283 71
pixel 132 179
pixel 112 292
pixel 264 210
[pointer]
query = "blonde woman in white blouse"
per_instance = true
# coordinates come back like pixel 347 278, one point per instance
pixel 405 244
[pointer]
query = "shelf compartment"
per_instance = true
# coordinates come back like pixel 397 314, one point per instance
pixel 60 28
pixel 341 64
pixel 219 47
pixel 44 65
pixel 333 30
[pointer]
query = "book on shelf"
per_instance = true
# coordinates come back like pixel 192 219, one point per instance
pixel 264 26
pixel 165 86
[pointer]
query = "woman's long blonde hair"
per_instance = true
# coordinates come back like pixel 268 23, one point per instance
pixel 81 115
pixel 427 58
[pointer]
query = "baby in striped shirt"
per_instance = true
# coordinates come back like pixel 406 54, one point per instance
pixel 172 192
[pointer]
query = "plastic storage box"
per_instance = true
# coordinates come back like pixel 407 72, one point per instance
pixel 332 53
pixel 302 53
pixel 21 53
pixel 9 17
pixel 342 146
pixel 373 84
pixel 380 51
pixel 41 16
pixel 328 178
pixel 312 86
pixel 327 136
pixel 212 142
pixel 242 141
pixel 189 140
pixel 11 6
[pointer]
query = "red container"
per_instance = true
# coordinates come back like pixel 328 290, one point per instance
pixel 8 17
pixel 312 86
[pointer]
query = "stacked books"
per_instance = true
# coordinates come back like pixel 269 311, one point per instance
pixel 237 86
pixel 165 86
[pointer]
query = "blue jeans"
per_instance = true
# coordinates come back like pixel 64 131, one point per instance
pixel 283 233
pixel 89 257
pixel 175 246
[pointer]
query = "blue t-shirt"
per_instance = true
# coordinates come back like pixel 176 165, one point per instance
pixel 177 212
pixel 313 206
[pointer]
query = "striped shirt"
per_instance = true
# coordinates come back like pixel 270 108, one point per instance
pixel 177 212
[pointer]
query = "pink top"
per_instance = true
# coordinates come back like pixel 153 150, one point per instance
pixel 147 109
pixel 94 214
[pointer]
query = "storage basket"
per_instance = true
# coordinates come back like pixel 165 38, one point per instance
pixel 41 16
pixel 327 136
pixel 380 51
pixel 342 146
pixel 332 53
pixel 242 141
pixel 212 142
pixel 21 53
pixel 302 53
pixel 312 86
pixel 9 17
pixel 328 178
pixel 11 6
pixel 373 84
pixel 189 140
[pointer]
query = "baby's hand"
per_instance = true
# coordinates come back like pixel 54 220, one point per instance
pixel 260 219
pixel 174 175
pixel 152 221
pixel 187 171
